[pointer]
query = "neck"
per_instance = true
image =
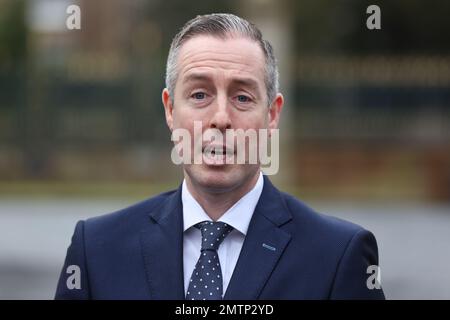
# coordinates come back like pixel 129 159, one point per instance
pixel 216 204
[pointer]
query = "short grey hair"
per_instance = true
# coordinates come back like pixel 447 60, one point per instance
pixel 222 25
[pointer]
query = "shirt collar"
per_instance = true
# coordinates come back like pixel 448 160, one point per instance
pixel 238 216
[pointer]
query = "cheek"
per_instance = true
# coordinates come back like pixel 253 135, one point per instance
pixel 181 118
pixel 185 114
pixel 254 121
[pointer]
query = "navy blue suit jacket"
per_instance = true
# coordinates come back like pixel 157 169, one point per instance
pixel 290 252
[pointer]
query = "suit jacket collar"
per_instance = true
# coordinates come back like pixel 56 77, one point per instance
pixel 263 246
pixel 162 247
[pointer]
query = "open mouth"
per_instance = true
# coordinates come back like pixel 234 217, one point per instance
pixel 217 154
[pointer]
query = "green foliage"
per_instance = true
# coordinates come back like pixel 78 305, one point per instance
pixel 13 34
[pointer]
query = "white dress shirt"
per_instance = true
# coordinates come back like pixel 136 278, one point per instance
pixel 238 216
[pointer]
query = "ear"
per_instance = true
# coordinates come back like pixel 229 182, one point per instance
pixel 168 108
pixel 275 111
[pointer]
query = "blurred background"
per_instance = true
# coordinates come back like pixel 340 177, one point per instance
pixel 365 131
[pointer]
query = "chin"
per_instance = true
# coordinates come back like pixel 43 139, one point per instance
pixel 219 179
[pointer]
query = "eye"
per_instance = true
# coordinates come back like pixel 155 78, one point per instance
pixel 242 98
pixel 199 95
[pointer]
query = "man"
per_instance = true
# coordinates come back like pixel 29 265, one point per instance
pixel 226 232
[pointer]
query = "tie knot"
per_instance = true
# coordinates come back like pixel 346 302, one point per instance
pixel 213 233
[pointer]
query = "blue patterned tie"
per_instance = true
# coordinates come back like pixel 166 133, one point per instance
pixel 206 281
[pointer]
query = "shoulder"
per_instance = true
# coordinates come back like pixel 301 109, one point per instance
pixel 300 210
pixel 320 226
pixel 346 246
pixel 128 218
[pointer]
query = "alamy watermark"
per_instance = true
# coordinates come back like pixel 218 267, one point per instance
pixel 373 22
pixel 73 21
pixel 237 146
pixel 374 280
pixel 74 279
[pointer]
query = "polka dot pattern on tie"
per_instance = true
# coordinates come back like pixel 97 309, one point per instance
pixel 206 280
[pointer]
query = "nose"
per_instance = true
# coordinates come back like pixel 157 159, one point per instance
pixel 220 118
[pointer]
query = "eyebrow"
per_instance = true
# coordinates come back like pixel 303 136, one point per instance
pixel 249 82
pixel 196 77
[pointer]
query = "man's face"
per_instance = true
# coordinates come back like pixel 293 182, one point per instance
pixel 221 83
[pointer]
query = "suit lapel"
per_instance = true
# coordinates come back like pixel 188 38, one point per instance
pixel 162 250
pixel 263 246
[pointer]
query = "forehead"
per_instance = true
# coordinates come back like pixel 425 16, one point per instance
pixel 233 56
